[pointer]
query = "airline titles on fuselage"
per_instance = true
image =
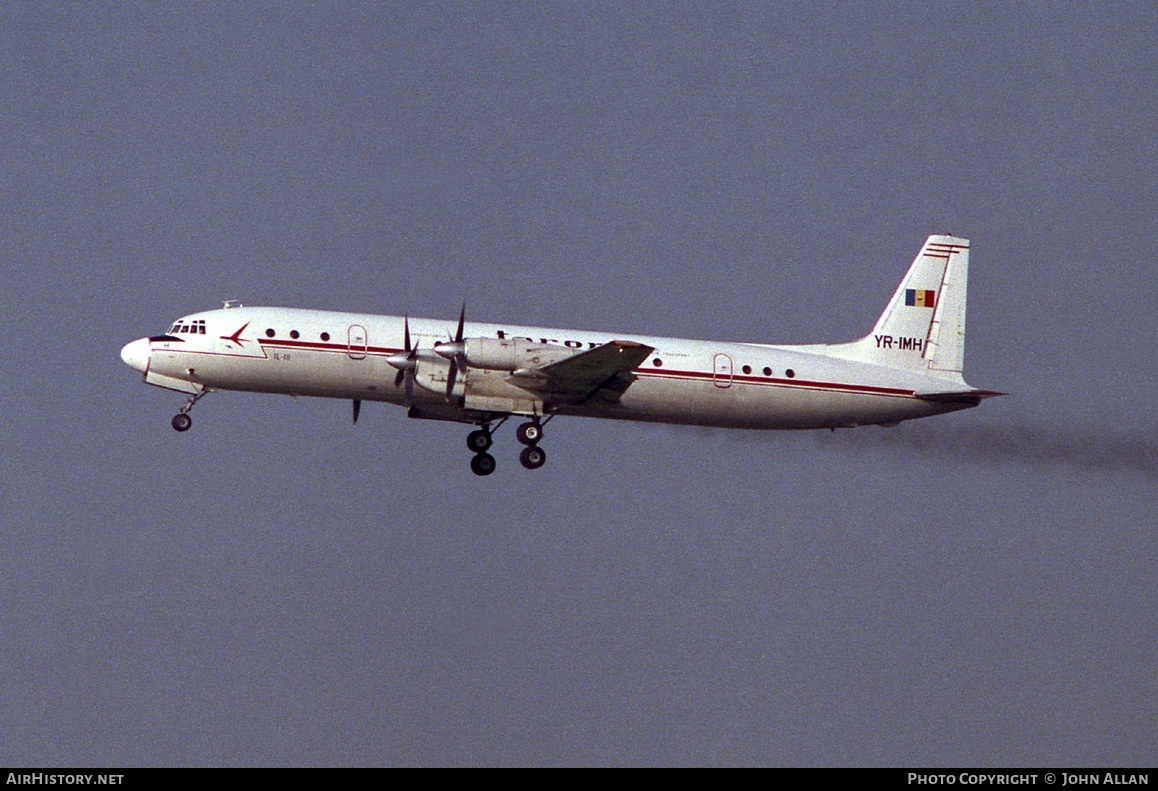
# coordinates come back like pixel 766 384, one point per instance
pixel 503 335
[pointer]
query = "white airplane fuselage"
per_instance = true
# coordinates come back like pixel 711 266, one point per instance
pixel 908 367
pixel 709 383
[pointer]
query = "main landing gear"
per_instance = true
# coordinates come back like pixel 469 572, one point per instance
pixel 533 457
pixel 529 434
pixel 182 421
pixel 480 441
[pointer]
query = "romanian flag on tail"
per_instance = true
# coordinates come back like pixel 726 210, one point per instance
pixel 920 299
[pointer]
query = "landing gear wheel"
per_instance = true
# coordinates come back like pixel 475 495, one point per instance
pixel 479 441
pixel 529 433
pixel 182 422
pixel 482 464
pixel 532 457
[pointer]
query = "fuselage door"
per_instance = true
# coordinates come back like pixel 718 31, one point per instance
pixel 357 342
pixel 722 376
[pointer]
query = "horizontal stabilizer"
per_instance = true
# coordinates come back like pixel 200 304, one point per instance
pixel 963 397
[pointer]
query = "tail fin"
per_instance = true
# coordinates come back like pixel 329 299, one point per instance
pixel 923 327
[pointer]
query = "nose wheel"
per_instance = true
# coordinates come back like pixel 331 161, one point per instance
pixel 181 421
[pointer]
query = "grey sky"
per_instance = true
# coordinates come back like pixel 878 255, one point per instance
pixel 280 587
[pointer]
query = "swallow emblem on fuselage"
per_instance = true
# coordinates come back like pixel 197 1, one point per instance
pixel 236 337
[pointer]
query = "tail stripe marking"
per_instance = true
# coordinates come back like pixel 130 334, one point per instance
pixel 943 251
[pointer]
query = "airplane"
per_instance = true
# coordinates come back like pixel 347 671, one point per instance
pixel 480 374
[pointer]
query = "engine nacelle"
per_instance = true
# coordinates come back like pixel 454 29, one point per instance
pixel 510 354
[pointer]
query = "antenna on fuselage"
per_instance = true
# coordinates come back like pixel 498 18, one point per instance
pixel 232 303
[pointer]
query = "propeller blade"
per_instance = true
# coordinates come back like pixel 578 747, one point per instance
pixel 406 333
pixel 450 377
pixel 409 371
pixel 461 320
pixel 357 409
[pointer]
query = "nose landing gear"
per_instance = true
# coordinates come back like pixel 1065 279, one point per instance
pixel 181 421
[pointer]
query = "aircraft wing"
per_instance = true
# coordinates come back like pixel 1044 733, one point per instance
pixel 577 378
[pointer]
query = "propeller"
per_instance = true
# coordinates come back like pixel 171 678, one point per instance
pixel 406 361
pixel 455 351
pixel 357 408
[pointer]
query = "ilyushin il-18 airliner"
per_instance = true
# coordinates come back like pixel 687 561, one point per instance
pixel 909 366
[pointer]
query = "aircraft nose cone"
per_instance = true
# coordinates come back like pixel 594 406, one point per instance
pixel 136 355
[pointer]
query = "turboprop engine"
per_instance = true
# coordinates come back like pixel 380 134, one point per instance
pixel 515 355
pixel 503 354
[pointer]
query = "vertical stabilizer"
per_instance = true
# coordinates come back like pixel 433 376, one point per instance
pixel 945 350
pixel 923 327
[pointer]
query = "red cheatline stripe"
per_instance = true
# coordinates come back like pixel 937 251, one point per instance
pixel 325 347
pixel 668 373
